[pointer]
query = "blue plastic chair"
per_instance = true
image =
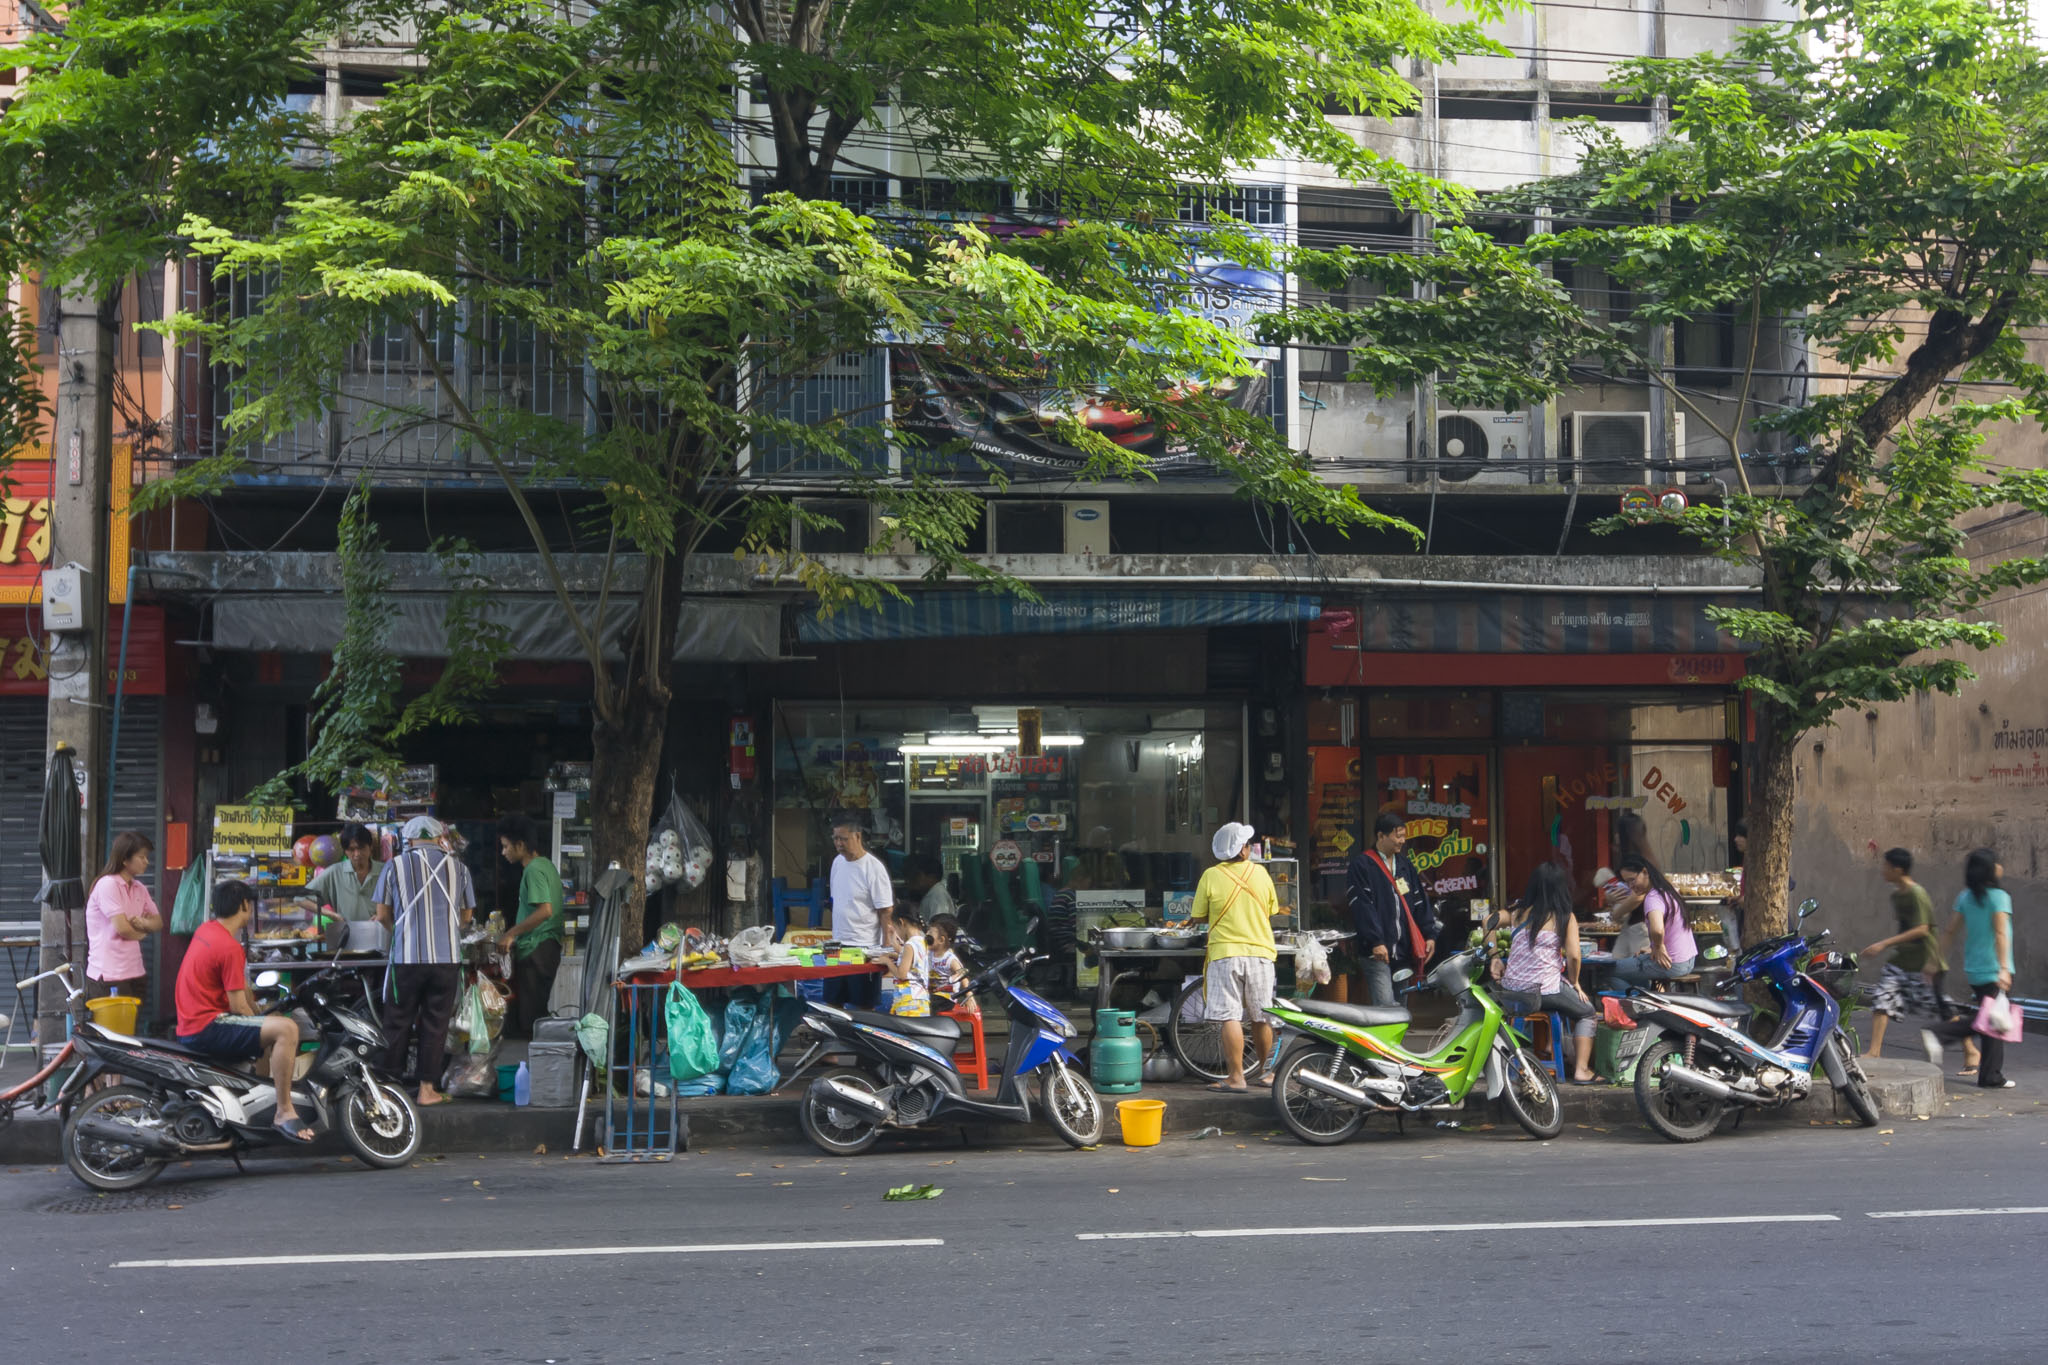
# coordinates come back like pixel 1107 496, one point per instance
pixel 811 899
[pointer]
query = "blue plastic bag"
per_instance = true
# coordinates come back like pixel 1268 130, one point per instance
pixel 753 1071
pixel 692 1049
pixel 741 1010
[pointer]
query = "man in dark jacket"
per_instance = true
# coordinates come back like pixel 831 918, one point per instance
pixel 1383 881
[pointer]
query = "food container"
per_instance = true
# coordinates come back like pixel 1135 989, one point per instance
pixel 1180 940
pixel 1124 939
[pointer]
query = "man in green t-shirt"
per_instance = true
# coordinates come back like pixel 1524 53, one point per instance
pixel 535 942
pixel 1907 987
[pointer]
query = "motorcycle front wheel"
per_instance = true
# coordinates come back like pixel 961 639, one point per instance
pixel 837 1129
pixel 1311 1115
pixel 385 1139
pixel 1678 1114
pixel 110 1165
pixel 1071 1106
pixel 1531 1095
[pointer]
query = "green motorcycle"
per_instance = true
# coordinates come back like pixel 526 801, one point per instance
pixel 1350 1062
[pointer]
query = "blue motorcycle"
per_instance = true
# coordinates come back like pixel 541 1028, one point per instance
pixel 1703 1064
pixel 906 1078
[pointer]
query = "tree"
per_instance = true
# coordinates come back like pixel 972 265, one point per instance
pixel 574 184
pixel 1872 178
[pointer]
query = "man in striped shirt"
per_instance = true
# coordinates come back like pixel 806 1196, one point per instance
pixel 424 896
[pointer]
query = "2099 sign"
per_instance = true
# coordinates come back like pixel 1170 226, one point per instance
pixel 1699 668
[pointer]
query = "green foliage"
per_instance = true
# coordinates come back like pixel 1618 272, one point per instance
pixel 356 723
pixel 21 390
pixel 1870 177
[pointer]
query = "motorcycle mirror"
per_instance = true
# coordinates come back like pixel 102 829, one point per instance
pixel 1031 926
pixel 1807 907
pixel 1405 974
pixel 268 980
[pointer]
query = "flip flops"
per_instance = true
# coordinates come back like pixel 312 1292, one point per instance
pixel 295 1128
pixel 1222 1089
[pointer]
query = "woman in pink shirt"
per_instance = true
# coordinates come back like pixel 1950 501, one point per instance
pixel 119 914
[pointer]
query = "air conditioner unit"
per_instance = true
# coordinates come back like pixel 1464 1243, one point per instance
pixel 1613 448
pixel 1483 447
pixel 1069 527
pixel 861 525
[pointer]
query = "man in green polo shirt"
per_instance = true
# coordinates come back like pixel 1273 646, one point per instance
pixel 535 942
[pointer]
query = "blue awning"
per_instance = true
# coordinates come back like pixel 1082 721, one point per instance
pixel 946 615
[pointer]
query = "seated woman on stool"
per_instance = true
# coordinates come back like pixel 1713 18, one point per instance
pixel 1672 949
pixel 1543 959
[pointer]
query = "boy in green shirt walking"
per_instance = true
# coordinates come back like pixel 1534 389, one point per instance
pixel 1907 987
pixel 535 942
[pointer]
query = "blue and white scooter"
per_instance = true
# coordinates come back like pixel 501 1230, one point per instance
pixel 1703 1065
pixel 906 1079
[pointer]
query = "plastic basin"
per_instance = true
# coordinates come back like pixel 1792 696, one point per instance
pixel 115 1012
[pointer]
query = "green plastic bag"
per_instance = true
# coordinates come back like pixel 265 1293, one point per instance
pixel 692 1047
pixel 188 912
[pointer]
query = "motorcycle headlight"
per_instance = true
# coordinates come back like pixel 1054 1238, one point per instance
pixel 1067 1029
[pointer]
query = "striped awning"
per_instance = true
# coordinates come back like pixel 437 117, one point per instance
pixel 947 615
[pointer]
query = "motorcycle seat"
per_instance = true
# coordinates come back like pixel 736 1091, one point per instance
pixel 939 1032
pixel 1720 1009
pixel 1365 1016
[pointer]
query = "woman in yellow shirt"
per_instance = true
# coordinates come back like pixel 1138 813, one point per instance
pixel 1236 897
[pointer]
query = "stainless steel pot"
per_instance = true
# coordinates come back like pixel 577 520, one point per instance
pixel 1124 938
pixel 1180 940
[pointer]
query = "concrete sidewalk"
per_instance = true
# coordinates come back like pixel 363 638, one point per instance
pixel 1906 1089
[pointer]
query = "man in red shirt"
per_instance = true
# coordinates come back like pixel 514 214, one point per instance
pixel 216 1014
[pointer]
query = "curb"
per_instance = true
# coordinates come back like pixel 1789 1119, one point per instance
pixel 1903 1089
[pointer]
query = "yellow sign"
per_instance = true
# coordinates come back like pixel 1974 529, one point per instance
pixel 252 829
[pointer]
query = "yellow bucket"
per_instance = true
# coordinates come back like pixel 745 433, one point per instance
pixel 116 1012
pixel 1141 1121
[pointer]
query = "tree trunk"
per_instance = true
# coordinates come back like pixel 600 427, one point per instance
pixel 626 742
pixel 625 766
pixel 1767 867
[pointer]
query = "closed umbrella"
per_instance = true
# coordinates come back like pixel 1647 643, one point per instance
pixel 61 841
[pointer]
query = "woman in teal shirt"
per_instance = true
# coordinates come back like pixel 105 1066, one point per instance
pixel 1984 920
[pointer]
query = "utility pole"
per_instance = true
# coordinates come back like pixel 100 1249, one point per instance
pixel 82 459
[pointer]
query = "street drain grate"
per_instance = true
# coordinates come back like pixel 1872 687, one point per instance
pixel 130 1201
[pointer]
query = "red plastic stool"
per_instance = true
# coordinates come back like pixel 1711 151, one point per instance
pixel 971 1062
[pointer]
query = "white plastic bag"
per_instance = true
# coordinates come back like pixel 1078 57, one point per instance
pixel 755 947
pixel 1311 962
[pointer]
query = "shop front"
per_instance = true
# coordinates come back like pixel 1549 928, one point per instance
pixel 1504 760
pixel 1012 802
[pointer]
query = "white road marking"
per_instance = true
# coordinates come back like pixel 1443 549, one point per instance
pixel 1373 1229
pixel 520 1254
pixel 1951 1213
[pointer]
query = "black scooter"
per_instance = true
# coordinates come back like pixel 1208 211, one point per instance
pixel 174 1102
pixel 907 1079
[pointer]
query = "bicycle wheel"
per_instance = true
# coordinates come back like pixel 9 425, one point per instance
pixel 1198 1042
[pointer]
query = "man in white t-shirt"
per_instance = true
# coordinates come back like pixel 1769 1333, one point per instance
pixel 862 897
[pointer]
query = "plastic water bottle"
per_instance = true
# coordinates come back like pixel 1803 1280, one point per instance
pixel 522 1085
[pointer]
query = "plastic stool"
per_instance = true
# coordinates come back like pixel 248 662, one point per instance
pixel 973 1061
pixel 1557 1030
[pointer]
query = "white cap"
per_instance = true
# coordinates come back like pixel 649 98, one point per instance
pixel 1230 841
pixel 423 827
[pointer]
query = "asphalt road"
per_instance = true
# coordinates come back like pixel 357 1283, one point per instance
pixel 1390 1248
